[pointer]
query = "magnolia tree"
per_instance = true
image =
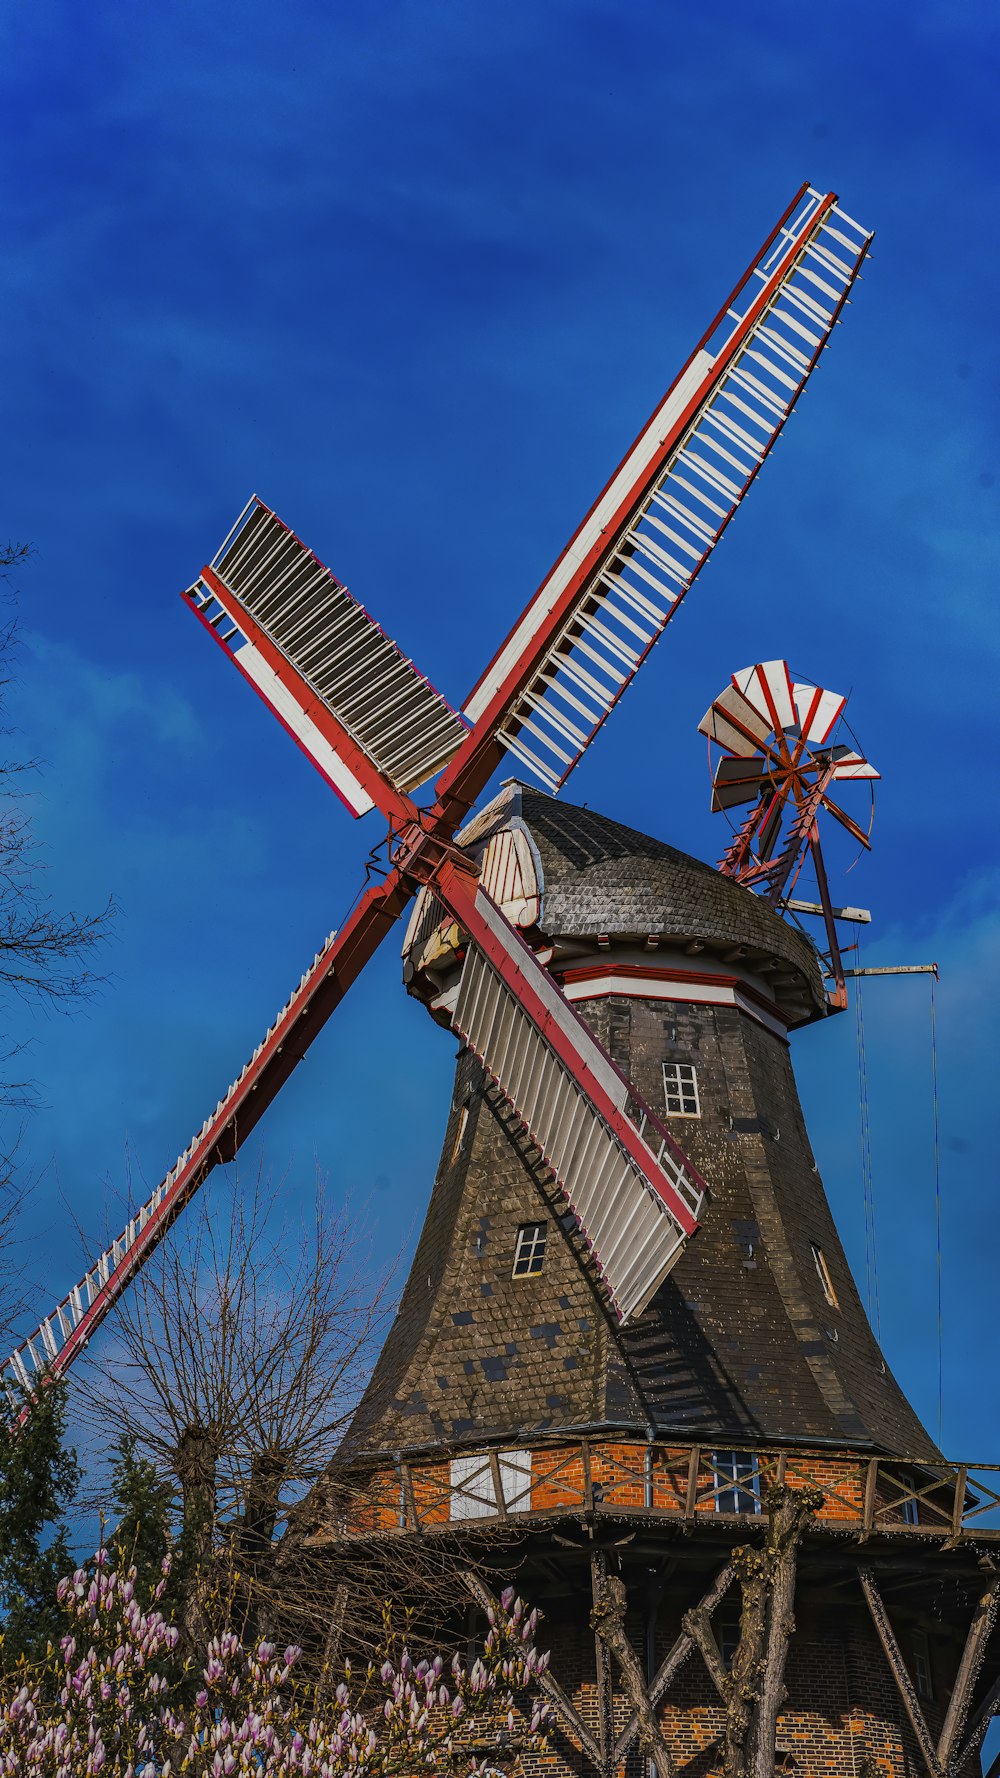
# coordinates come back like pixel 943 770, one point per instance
pixel 115 1699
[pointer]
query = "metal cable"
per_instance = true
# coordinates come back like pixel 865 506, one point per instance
pixel 937 1212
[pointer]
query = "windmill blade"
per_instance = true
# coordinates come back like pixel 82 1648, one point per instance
pixel 624 573
pixel 767 836
pixel 817 712
pixel 62 1335
pixel 732 722
pixel 357 706
pixel 841 815
pixel 852 765
pixel 768 687
pixel 737 781
pixel 633 1192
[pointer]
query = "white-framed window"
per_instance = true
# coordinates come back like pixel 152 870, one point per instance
pixel 823 1274
pixel 473 1495
pixel 737 1482
pixel 680 1089
pixel 922 1676
pixel 529 1249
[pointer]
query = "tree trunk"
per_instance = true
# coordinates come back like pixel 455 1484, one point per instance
pixel 196 1457
pixel 608 1620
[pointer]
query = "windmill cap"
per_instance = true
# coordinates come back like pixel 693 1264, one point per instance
pixel 599 877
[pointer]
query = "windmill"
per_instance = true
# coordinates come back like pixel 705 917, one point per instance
pixel 377 731
pixel 777 750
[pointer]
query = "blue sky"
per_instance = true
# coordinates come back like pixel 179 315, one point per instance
pixel 418 273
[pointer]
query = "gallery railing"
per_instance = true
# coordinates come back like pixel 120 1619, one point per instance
pixel 680 1482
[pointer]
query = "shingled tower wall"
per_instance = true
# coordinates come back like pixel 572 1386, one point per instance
pixel 645 1455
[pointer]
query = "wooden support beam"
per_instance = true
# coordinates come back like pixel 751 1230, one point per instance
pixel 671 1665
pixel 608 1620
pixel 897 1666
pixel 548 1685
pixel 988 1709
pixel 980 1631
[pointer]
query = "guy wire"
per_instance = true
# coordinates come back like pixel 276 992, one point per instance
pixel 871 1248
pixel 937 1213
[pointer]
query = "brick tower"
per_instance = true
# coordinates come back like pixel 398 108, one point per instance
pixel 748 1408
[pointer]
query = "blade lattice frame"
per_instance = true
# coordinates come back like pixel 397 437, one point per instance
pixel 728 408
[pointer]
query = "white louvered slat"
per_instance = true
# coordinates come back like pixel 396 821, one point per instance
pixel 393 714
pixel 751 380
pixel 633 1234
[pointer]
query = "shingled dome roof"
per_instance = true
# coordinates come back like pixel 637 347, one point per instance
pixel 600 877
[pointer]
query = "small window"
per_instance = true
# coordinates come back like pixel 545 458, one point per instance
pixel 727 1635
pixel 529 1250
pixel 823 1274
pixel 922 1678
pixel 680 1089
pixel 909 1509
pixel 737 1482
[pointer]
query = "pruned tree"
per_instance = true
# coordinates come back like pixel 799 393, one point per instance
pixel 752 1690
pixel 232 1366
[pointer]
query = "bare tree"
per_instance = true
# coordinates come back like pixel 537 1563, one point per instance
pixel 233 1364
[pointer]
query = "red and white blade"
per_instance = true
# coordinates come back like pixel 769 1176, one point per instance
pixel 52 1346
pixel 817 713
pixel 624 573
pixel 352 700
pixel 768 687
pixel 636 1197
pixel 852 765
pixel 734 722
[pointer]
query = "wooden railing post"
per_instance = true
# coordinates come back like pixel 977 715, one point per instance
pixel 871 1482
pixel 588 1479
pixel 694 1468
pixel 406 1475
pixel 958 1508
pixel 501 1503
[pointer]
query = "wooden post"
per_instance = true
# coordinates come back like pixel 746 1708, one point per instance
pixel 694 1467
pixel 871 1482
pixel 409 1496
pixel 498 1484
pixel 958 1506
